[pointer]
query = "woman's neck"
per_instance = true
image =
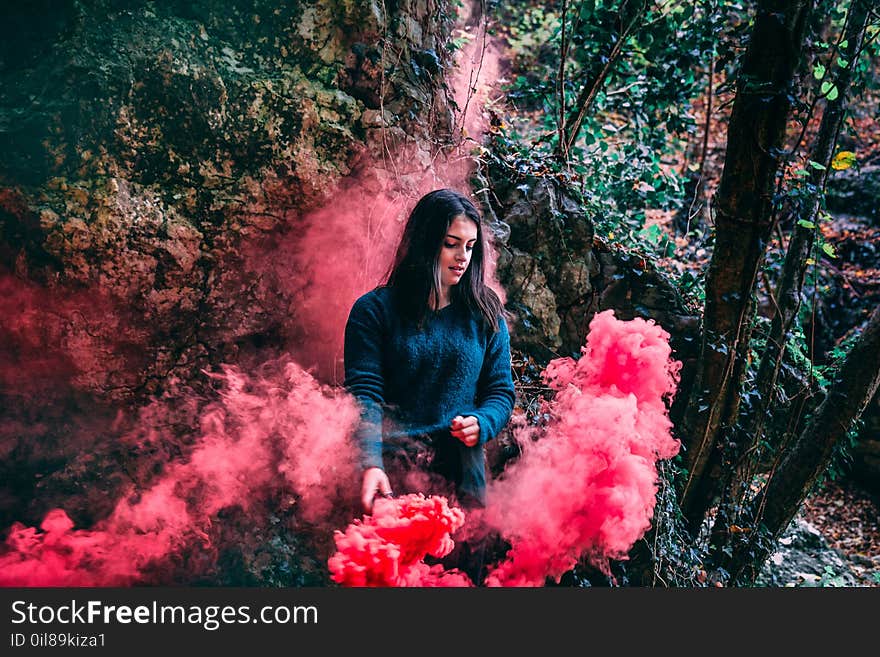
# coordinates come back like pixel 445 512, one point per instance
pixel 442 300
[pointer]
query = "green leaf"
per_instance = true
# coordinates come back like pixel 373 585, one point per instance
pixel 829 250
pixel 801 172
pixel 844 43
pixel 806 224
pixel 842 63
pixel 817 166
pixel 829 90
pixel 818 71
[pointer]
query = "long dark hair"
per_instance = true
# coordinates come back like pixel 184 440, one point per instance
pixel 415 278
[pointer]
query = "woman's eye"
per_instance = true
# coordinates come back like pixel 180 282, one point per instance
pixel 448 245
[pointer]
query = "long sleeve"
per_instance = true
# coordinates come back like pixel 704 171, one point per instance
pixel 364 378
pixel 495 391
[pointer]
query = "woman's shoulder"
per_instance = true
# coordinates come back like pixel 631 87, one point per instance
pixel 378 295
pixel 375 302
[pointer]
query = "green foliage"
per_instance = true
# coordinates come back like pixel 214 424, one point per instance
pixel 830 579
pixel 675 560
pixel 624 161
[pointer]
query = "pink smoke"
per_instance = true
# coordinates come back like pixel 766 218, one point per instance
pixel 476 74
pixel 588 486
pixel 388 547
pixel 284 431
pixel 56 337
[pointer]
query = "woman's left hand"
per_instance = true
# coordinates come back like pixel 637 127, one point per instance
pixel 466 429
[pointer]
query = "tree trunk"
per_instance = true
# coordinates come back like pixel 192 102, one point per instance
pixel 853 387
pixel 743 223
pixel 789 292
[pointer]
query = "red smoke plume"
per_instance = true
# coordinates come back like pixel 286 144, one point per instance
pixel 388 547
pixel 283 432
pixel 588 486
pixel 344 249
pixel 52 338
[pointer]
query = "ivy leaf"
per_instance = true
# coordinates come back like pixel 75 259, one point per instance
pixel 829 250
pixel 844 43
pixel 843 160
pixel 842 63
pixel 818 71
pixel 829 90
pixel 806 224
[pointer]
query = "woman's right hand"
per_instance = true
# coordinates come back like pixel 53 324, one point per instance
pixel 375 483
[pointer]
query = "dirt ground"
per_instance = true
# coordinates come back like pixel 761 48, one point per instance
pixel 849 519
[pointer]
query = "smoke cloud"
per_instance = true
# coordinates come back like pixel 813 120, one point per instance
pixel 587 487
pixel 280 432
pixel 388 548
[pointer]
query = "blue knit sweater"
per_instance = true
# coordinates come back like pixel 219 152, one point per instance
pixel 411 382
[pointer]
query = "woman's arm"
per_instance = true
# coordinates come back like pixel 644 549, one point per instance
pixel 365 380
pixel 495 392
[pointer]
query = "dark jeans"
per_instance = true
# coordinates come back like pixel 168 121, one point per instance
pixel 434 466
pixel 437 465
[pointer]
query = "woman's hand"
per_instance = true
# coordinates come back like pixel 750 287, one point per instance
pixel 466 429
pixel 375 483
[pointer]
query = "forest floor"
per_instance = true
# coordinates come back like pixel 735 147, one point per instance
pixel 849 519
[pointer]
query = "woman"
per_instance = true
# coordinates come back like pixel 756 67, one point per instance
pixel 427 355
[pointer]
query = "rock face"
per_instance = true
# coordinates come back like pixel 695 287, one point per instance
pixel 145 144
pixel 805 559
pixel 855 192
pixel 149 150
pixel 558 275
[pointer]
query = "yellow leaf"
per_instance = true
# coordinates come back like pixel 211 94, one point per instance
pixel 843 160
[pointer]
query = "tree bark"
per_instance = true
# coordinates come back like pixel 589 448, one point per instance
pixel 789 291
pixel 853 387
pixel 743 223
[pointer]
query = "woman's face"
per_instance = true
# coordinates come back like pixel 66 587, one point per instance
pixel 456 250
